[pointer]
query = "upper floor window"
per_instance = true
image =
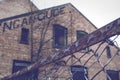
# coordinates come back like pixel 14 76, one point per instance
pixel 59 36
pixel 113 75
pixel 108 51
pixel 24 36
pixel 81 34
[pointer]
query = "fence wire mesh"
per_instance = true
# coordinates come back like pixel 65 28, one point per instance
pixel 95 62
pixel 98 60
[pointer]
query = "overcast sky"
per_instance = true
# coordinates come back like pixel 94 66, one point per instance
pixel 99 12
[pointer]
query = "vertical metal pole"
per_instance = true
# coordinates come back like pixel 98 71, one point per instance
pixel 71 32
pixel 31 35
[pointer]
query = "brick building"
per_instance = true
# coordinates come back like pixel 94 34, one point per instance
pixel 9 9
pixel 28 34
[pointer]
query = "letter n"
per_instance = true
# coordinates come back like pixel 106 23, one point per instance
pixel 7 25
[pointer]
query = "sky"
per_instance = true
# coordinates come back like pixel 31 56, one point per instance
pixel 99 12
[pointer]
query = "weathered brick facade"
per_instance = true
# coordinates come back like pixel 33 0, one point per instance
pixel 40 25
pixel 15 7
pixel 10 47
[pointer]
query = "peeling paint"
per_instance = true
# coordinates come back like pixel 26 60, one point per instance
pixel 29 67
pixel 54 55
pixel 66 50
pixel 90 38
pixel 102 31
pixel 71 44
pixel 111 28
pixel 43 60
pixel 77 44
pixel 118 22
pixel 107 28
pixel 17 72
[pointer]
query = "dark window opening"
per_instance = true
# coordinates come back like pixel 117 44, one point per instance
pixel 81 34
pixel 79 72
pixel 108 51
pixel 24 36
pixel 18 65
pixel 113 75
pixel 60 36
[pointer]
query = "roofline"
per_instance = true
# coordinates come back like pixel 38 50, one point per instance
pixel 83 15
pixel 32 4
pixel 28 13
pixel 92 24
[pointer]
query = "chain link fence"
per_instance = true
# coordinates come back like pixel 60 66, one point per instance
pixel 94 64
pixel 95 57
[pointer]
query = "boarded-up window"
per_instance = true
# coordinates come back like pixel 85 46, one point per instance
pixel 60 36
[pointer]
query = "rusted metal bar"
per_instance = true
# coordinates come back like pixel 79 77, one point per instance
pixel 101 34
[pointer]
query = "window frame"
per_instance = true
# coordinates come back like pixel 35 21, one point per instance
pixel 78 70
pixel 21 64
pixel 80 31
pixel 24 39
pixel 110 72
pixel 108 52
pixel 77 38
pixel 16 63
pixel 65 30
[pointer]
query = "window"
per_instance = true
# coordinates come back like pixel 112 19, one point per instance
pixel 24 36
pixel 79 72
pixel 108 51
pixel 114 75
pixel 59 36
pixel 18 65
pixel 81 34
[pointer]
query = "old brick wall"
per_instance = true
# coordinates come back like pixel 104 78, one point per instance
pixel 40 24
pixel 15 7
pixel 10 47
pixel 70 19
pixel 73 21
